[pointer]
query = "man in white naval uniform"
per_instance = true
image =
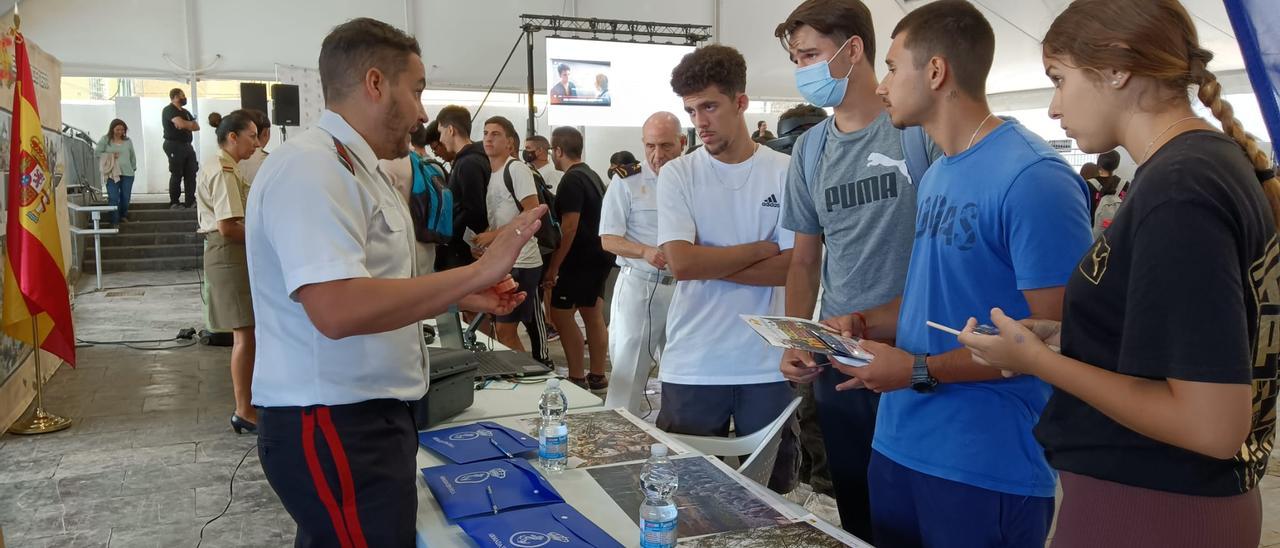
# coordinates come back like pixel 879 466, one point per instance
pixel 642 295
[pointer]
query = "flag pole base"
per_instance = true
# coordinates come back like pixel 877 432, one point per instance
pixel 40 422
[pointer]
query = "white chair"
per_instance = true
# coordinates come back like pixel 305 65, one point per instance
pixel 762 445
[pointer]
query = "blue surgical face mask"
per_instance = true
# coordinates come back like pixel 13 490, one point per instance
pixel 818 86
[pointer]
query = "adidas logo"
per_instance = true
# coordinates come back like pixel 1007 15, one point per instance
pixel 771 201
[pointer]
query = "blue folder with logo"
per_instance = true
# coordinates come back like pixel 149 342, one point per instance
pixel 557 525
pixel 488 487
pixel 477 442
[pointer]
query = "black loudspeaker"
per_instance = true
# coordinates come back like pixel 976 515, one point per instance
pixel 284 104
pixel 253 96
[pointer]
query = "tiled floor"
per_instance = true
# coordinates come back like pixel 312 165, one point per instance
pixel 150 457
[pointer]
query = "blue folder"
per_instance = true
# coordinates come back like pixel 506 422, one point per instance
pixel 477 442
pixel 463 490
pixel 557 525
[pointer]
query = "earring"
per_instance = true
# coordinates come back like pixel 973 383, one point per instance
pixel 1115 83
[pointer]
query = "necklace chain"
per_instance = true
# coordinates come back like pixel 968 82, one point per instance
pixel 976 130
pixel 755 148
pixel 1146 153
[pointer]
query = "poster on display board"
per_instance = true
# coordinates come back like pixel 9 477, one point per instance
pixel 1255 23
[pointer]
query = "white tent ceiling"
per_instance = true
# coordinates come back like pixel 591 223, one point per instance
pixel 465 42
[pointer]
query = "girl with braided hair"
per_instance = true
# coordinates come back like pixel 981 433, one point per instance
pixel 1163 411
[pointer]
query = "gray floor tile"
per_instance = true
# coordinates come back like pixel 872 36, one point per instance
pixel 31 493
pixel 30 522
pixel 139 421
pixel 159 478
pixel 249 496
pixel 28 468
pixel 134 511
pixel 90 462
pixel 87 487
pixel 169 535
pixel 79 539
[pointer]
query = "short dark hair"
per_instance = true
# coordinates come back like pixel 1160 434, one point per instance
pixel 237 121
pixel 1109 160
pixel 562 68
pixel 713 65
pixel 760 123
pixel 455 117
pixel 957 32
pixel 432 132
pixel 259 118
pixel 174 93
pixel 354 47
pixel 838 20
pixel 568 140
pixel 507 126
pixel 418 136
pixel 623 158
pixel 539 141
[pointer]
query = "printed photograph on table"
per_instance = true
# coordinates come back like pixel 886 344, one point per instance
pixel 793 535
pixel 709 500
pixel 602 437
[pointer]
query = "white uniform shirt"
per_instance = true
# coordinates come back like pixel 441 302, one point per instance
pixel 502 209
pixel 310 221
pixel 631 211
pixel 551 176
pixel 707 202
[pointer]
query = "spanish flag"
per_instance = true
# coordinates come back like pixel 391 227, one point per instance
pixel 36 303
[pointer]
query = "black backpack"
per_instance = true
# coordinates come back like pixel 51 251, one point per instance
pixel 549 233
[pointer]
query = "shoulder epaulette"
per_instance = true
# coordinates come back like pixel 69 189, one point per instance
pixel 624 171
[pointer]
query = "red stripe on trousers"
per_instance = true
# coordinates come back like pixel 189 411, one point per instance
pixel 317 476
pixel 344 476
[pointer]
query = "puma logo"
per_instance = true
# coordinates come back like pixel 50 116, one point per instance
pixel 1094 264
pixel 875 159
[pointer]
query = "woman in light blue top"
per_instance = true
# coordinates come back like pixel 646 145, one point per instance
pixel 119 163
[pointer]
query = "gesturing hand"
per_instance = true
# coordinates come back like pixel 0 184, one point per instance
pixel 500 255
pixel 1019 348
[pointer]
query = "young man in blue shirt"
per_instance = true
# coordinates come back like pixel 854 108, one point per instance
pixel 1002 221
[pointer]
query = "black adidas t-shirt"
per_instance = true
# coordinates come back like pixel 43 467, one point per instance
pixel 1185 284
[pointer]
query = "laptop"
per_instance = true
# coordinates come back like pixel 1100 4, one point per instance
pixel 493 364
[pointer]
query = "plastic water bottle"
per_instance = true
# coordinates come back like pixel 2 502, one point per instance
pixel 659 480
pixel 553 431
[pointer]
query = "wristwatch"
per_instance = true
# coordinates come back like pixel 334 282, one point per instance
pixel 921 380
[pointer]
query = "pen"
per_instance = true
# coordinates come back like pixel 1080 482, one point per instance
pixel 489 489
pixel 495 444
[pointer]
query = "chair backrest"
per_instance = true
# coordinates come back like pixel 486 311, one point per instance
pixel 759 466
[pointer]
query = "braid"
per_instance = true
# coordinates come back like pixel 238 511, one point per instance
pixel 1211 95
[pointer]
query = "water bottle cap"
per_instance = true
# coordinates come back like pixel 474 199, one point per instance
pixel 553 383
pixel 657 450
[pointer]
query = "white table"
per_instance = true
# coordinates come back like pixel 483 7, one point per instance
pixel 504 399
pixel 582 492
pixel 95 213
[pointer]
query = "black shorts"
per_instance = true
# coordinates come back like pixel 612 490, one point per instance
pixel 579 287
pixel 529 280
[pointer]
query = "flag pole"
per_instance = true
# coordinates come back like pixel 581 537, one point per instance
pixel 40 421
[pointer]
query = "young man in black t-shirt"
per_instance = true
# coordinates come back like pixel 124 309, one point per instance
pixel 579 268
pixel 468 179
pixel 178 124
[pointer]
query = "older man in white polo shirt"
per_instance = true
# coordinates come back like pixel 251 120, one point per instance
pixel 642 295
pixel 331 259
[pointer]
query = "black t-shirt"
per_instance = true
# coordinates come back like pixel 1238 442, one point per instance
pixel 1185 284
pixel 171 132
pixel 579 193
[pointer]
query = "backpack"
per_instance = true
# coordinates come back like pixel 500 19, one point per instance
pixel 915 151
pixel 430 202
pixel 1108 206
pixel 549 233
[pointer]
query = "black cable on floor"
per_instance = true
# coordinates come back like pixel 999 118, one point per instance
pixel 231 494
pixel 138 286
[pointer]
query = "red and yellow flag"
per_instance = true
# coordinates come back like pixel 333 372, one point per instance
pixel 35 287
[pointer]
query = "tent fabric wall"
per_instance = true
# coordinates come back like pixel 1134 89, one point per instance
pixel 464 43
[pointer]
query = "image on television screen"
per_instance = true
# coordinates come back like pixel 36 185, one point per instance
pixel 579 82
